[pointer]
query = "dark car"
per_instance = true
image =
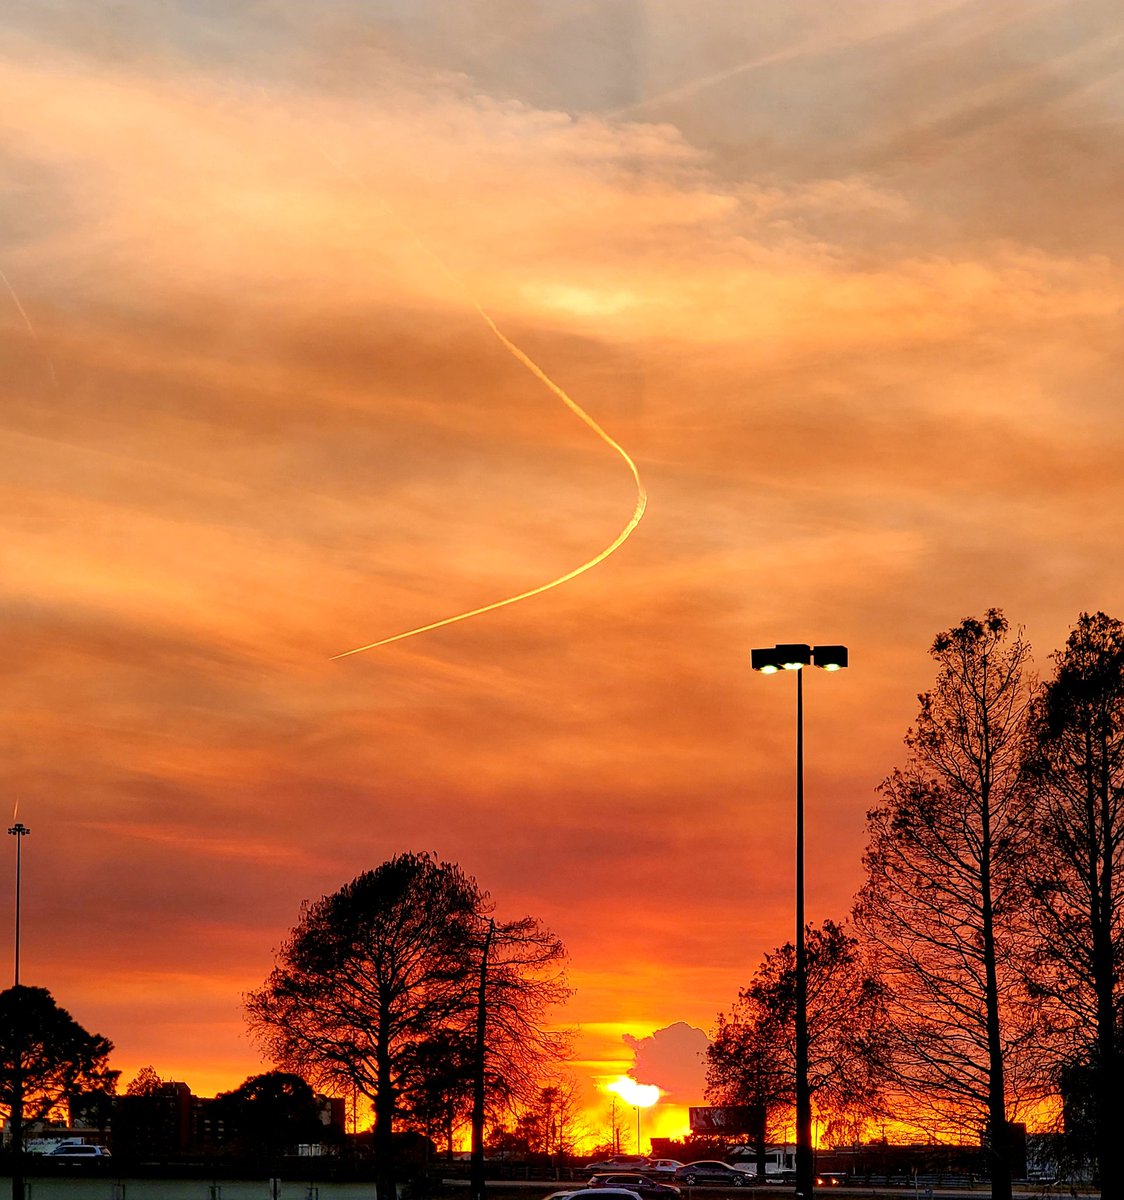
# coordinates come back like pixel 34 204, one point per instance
pixel 619 1162
pixel 640 1184
pixel 711 1171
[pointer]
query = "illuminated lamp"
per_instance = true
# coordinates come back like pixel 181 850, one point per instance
pixel 766 661
pixel 830 658
pixel 794 655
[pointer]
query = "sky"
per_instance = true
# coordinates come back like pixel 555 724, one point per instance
pixel 843 281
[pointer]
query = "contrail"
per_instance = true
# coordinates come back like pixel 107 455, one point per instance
pixel 30 328
pixel 810 46
pixel 525 360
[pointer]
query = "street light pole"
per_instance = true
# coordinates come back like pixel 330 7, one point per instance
pixel 19 832
pixel 795 657
pixel 804 1171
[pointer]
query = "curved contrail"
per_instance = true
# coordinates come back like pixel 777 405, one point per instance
pixel 525 359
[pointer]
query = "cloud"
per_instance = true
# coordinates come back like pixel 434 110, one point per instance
pixel 673 1059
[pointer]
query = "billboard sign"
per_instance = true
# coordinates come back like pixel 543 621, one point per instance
pixel 725 1119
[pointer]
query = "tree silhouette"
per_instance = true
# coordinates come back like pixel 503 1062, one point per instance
pixel 145 1083
pixel 436 1093
pixel 1077 877
pixel 367 973
pixel 47 1054
pixel 393 961
pixel 271 1113
pixel 46 1058
pixel 945 896
pixel 751 1059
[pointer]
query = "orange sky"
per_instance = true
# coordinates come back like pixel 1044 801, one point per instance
pixel 844 279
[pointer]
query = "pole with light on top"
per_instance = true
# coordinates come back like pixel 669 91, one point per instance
pixel 19 831
pixel 795 656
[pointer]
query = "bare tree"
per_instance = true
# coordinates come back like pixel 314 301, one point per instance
pixel 145 1082
pixel 1077 878
pixel 945 896
pixel 549 1122
pixel 524 986
pixel 750 1062
pixel 520 983
pixel 751 1057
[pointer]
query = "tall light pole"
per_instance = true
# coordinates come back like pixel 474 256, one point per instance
pixel 795 656
pixel 19 832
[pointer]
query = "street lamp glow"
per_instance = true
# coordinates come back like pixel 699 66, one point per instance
pixel 830 658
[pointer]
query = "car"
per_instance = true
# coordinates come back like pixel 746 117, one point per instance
pixel 660 1166
pixel 605 1193
pixel 619 1162
pixel 634 1182
pixel 830 1178
pixel 711 1171
pixel 78 1152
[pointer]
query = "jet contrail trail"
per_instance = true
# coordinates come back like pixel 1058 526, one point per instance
pixel 30 328
pixel 525 360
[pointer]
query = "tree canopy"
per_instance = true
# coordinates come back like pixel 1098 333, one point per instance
pixel 271 1113
pixel 375 973
pixel 751 1057
pixel 46 1057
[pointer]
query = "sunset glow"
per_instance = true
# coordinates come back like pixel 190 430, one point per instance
pixel 639 1095
pixel 299 306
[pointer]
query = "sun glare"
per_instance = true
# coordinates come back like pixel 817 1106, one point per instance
pixel 639 1095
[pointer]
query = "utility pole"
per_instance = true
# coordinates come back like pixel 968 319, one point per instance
pixel 476 1185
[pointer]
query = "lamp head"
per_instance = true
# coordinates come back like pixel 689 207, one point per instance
pixel 830 658
pixel 766 661
pixel 794 655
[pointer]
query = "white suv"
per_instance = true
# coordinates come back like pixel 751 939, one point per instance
pixel 78 1152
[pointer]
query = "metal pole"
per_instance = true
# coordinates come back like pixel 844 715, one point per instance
pixel 476 1184
pixel 804 1177
pixel 19 832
